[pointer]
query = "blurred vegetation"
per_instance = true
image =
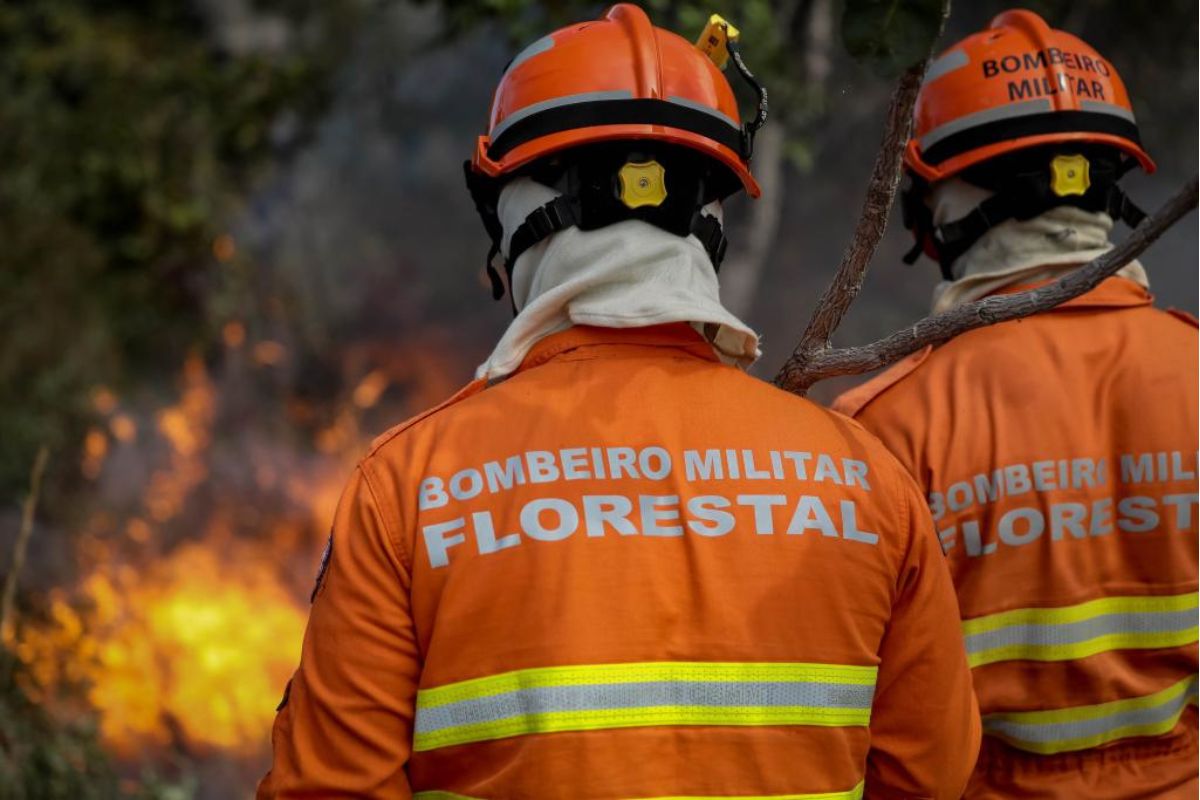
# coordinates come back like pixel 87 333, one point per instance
pixel 890 35
pixel 127 130
pixel 41 757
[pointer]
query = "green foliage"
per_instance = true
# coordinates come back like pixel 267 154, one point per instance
pixel 125 131
pixel 889 36
pixel 41 758
pixel 46 758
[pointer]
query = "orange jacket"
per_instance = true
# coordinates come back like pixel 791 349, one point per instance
pixel 1059 457
pixel 629 571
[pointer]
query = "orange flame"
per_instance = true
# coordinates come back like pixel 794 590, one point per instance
pixel 190 648
pixel 198 648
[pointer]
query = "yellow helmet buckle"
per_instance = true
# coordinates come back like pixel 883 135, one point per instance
pixel 642 183
pixel 1069 175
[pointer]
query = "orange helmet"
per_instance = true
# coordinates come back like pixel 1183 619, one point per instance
pixel 647 127
pixel 1016 85
pixel 618 78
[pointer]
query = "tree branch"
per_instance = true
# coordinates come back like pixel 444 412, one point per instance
pixel 872 222
pixel 805 369
pixel 9 594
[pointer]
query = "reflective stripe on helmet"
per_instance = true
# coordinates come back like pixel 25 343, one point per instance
pixel 535 48
pixel 1070 632
pixel 947 62
pixel 981 118
pixel 1084 727
pixel 556 102
pixel 606 696
pixel 1099 107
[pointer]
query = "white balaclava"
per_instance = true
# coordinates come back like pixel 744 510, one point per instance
pixel 1016 252
pixel 626 275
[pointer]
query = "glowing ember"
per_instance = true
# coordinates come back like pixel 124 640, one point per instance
pixel 370 388
pixel 95 448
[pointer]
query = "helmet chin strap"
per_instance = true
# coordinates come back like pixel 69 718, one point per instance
pixel 1022 196
pixel 564 212
pixel 601 187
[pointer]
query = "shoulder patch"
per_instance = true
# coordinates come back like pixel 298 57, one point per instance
pixel 1185 316
pixel 472 388
pixel 321 570
pixel 854 400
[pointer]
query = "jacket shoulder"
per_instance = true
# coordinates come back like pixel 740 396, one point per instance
pixel 471 389
pixel 1184 317
pixel 855 400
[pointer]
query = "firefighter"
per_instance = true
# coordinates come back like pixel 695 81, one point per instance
pixel 1058 452
pixel 616 566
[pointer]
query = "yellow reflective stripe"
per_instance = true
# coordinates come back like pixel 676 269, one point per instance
pixel 648 672
pixel 853 794
pixel 1092 608
pixel 1070 652
pixel 594 697
pixel 1079 631
pixel 557 721
pixel 1085 727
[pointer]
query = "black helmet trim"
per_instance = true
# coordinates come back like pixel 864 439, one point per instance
pixel 1019 127
pixel 568 116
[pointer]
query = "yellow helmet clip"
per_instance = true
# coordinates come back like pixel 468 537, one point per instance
pixel 1069 175
pixel 643 184
pixel 714 40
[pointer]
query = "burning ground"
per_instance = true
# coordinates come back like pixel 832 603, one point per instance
pixel 191 573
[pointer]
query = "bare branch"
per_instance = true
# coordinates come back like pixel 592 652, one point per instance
pixel 872 222
pixel 818 365
pixel 9 594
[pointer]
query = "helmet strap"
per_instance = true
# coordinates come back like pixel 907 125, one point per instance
pixel 750 128
pixel 1021 197
pixel 588 200
pixel 564 212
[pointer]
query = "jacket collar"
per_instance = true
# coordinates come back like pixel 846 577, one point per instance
pixel 676 335
pixel 1112 292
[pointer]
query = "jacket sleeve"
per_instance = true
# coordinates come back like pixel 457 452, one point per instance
pixel 344 727
pixel 925 726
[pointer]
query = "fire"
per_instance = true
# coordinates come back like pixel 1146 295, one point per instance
pixel 193 652
pixel 196 561
pixel 187 647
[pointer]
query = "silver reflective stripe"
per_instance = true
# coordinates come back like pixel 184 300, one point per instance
pixel 712 112
pixel 1103 728
pixel 571 99
pixel 947 63
pixel 549 699
pixel 1009 111
pixel 1099 107
pixel 540 46
pixel 1084 630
